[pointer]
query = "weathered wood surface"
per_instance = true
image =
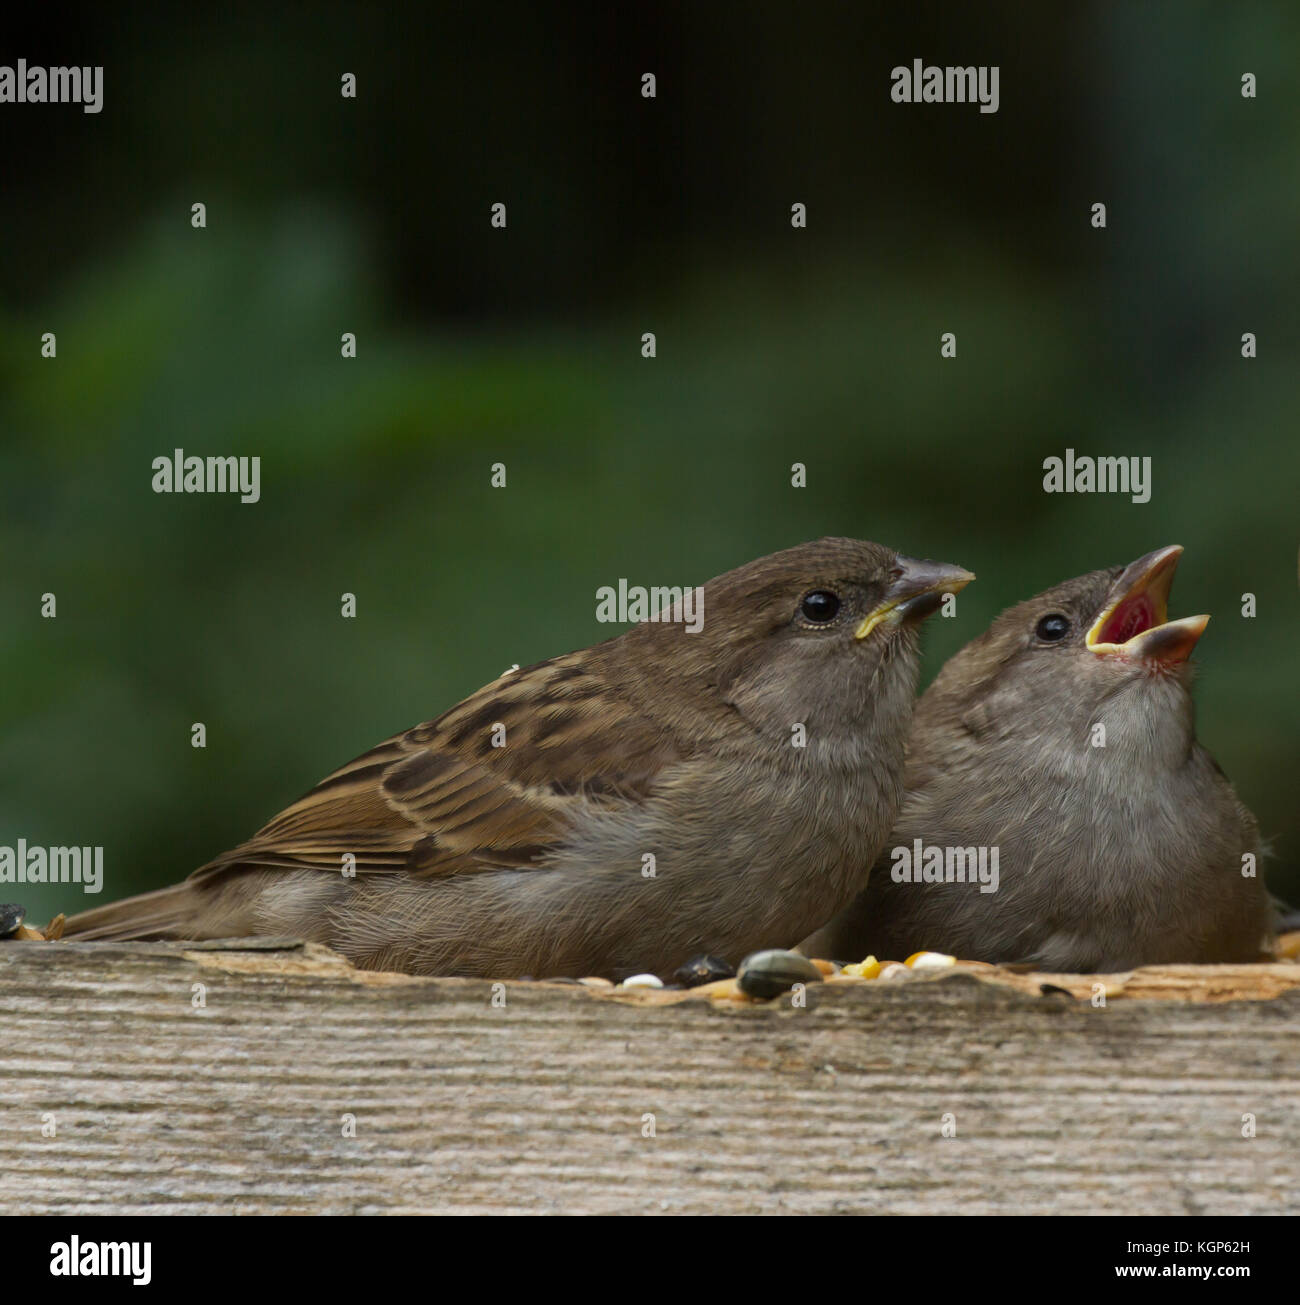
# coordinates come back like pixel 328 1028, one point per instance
pixel 539 1105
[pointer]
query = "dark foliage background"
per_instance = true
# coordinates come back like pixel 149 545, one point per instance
pixel 625 215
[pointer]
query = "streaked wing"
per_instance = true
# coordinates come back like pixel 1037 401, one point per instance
pixel 492 783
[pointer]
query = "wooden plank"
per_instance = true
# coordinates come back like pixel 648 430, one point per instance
pixel 540 1104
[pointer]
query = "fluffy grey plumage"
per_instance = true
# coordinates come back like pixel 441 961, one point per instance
pixel 530 858
pixel 1109 857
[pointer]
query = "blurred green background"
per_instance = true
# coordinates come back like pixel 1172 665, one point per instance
pixel 522 346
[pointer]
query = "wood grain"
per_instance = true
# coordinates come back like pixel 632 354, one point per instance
pixel 539 1105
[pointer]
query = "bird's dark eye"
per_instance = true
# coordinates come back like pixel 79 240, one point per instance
pixel 819 606
pixel 1054 628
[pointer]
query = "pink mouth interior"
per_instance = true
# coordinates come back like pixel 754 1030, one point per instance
pixel 1133 616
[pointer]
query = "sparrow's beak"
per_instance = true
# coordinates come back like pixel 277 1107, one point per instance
pixel 916 590
pixel 1134 624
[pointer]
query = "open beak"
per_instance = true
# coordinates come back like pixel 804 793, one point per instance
pixel 916 591
pixel 1134 625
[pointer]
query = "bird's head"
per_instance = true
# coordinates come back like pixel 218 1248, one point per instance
pixel 1098 649
pixel 815 634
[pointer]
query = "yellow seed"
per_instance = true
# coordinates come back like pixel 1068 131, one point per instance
pixel 930 961
pixel 1288 946
pixel 722 990
pixel 867 969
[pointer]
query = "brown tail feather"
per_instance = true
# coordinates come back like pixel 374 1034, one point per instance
pixel 164 913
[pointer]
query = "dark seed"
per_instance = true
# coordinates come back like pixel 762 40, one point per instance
pixel 702 969
pixel 769 974
pixel 11 916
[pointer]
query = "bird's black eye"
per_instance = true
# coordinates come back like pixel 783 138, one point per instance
pixel 819 606
pixel 1054 628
